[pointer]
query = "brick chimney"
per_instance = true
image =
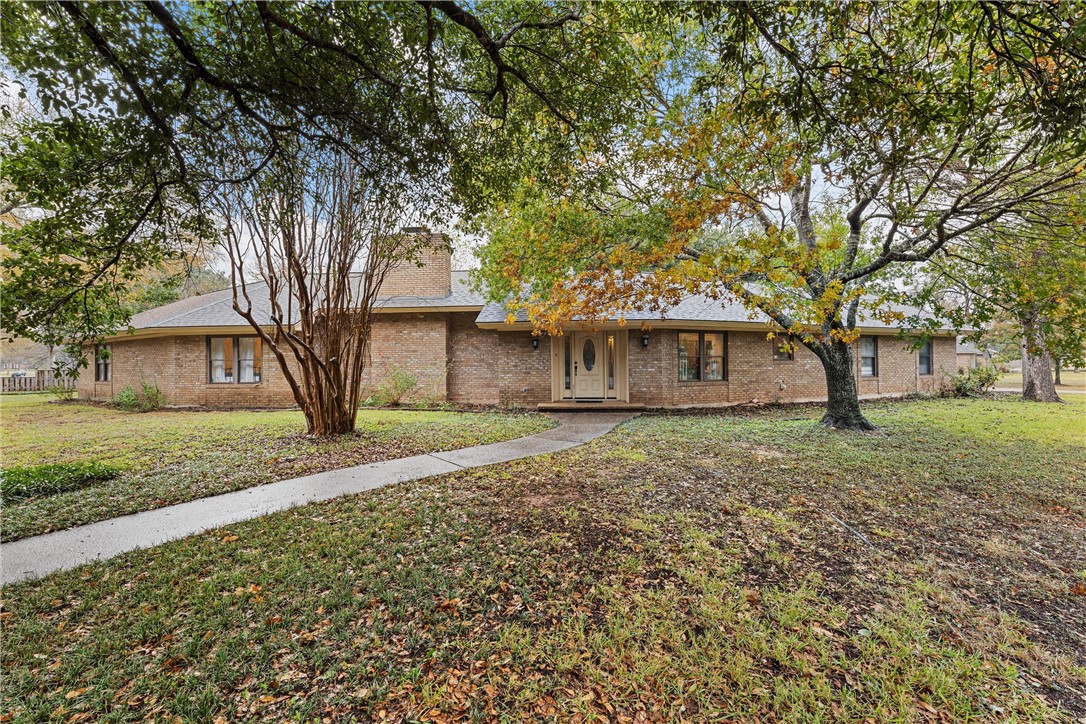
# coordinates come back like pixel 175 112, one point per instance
pixel 429 274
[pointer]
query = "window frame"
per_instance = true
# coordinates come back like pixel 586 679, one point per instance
pixel 702 358
pixel 874 358
pixel 789 356
pixel 235 367
pixel 930 347
pixel 103 365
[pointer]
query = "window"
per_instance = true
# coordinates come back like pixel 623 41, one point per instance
pixel 249 359
pixel 222 359
pixel 925 358
pixel 783 350
pixel 101 363
pixel 610 361
pixel 869 357
pixel 714 356
pixel 702 356
pixel 565 347
pixel 689 357
pixel 234 359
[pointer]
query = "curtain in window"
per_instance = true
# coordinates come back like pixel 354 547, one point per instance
pixel 714 356
pixel 249 359
pixel 689 357
pixel 222 359
pixel 868 347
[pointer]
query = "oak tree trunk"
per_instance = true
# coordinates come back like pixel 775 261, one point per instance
pixel 843 402
pixel 1037 382
pixel 1057 380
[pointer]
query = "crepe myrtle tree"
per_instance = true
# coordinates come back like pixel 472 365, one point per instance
pixel 796 158
pixel 311 239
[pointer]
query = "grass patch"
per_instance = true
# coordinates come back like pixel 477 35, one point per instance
pixel 704 581
pixel 169 457
pixel 1069 380
pixel 21 483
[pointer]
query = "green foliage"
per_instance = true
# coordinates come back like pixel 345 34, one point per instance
pixel 166 288
pixel 396 385
pixel 42 480
pixel 1023 277
pixel 149 397
pixel 62 392
pixel 974 381
pixel 148 108
pixel 127 399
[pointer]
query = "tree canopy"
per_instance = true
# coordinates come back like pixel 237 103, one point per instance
pixel 796 157
pixel 140 101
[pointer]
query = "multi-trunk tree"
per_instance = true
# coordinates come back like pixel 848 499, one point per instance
pixel 310 241
pixel 795 157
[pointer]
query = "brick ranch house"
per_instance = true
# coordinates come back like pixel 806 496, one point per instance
pixel 461 349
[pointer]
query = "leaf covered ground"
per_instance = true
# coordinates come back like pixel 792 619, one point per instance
pixel 681 568
pixel 170 457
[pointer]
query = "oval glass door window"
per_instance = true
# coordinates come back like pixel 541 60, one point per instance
pixel 588 355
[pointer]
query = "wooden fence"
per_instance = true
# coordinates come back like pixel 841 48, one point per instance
pixel 34 383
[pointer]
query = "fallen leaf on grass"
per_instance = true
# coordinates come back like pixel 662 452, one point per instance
pixel 174 664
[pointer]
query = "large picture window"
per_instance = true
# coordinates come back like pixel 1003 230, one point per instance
pixel 703 357
pixel 926 366
pixel 869 356
pixel 102 365
pixel 234 359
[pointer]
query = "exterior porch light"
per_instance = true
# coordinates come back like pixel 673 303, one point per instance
pixel 645 340
pixel 535 341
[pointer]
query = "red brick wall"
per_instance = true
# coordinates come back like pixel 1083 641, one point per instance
pixel 488 367
pixel 432 279
pixel 415 343
pixel 178 365
pixel 451 358
pixel 473 356
pixel 753 374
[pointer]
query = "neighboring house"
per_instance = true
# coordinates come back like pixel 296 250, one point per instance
pixel 24 358
pixel 461 349
pixel 969 355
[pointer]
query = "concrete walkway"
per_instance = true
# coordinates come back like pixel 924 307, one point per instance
pixel 35 557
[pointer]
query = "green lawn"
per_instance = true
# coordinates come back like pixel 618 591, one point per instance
pixel 682 568
pixel 1068 380
pixel 173 456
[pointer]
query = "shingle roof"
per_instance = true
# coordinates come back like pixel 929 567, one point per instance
pixel 207 310
pixel 216 309
pixel 693 308
pixel 967 348
pixel 460 296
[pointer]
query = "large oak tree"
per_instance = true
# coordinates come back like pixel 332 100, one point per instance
pixel 797 157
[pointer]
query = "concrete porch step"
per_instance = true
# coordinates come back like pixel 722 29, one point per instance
pixel 591 406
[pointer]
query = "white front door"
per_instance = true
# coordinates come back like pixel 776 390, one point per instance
pixel 589 365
